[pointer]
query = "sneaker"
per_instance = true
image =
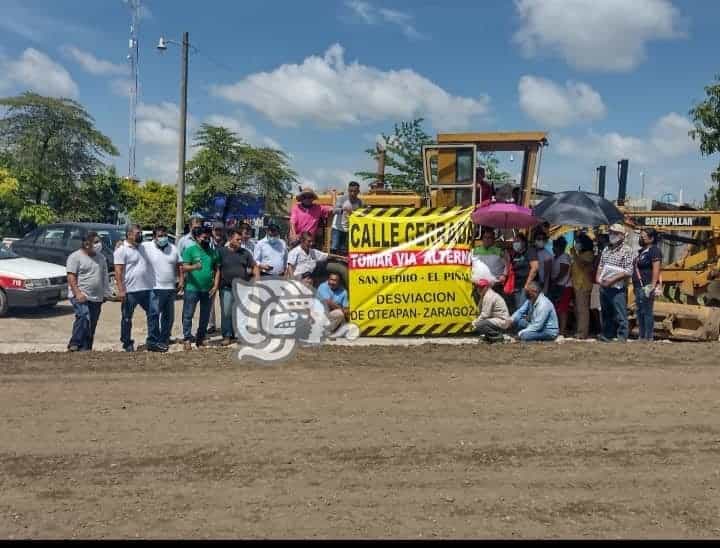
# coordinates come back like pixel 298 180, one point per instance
pixel 73 348
pixel 227 341
pixel 157 348
pixel 603 338
pixel 187 345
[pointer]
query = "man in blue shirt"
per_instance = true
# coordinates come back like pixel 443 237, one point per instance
pixel 335 298
pixel 271 253
pixel 536 320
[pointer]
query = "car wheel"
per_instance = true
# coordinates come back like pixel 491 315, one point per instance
pixel 3 303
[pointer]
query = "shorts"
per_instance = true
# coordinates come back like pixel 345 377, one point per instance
pixel 563 304
pixel 595 297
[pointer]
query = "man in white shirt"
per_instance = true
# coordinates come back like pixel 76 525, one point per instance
pixel 166 265
pixel 188 239
pixel 247 241
pixel 135 280
pixel 303 258
pixel 271 253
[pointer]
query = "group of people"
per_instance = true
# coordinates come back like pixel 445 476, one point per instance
pixel 200 268
pixel 532 291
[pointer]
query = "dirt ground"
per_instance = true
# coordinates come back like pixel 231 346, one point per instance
pixel 564 440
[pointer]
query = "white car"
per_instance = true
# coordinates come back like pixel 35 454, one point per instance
pixel 27 283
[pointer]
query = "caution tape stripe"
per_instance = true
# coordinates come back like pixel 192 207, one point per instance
pixel 399 211
pixel 406 330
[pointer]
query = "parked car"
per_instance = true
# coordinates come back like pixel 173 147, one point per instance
pixel 27 283
pixel 54 243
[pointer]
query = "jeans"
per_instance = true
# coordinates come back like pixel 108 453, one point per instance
pixel 149 304
pixel 644 308
pixel 519 298
pixel 338 241
pixel 166 308
pixel 87 315
pixel 227 301
pixel 190 301
pixel 613 305
pixel 529 336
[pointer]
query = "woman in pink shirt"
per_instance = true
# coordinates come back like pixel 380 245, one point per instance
pixel 306 214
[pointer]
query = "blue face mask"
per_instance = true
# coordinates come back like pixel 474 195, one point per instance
pixel 272 239
pixel 162 241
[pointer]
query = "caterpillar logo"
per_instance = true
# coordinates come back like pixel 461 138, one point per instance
pixel 685 221
pixel 409 271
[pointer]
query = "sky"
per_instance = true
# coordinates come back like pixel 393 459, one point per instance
pixel 321 79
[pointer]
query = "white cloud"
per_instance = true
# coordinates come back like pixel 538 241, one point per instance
pixel 328 92
pixel 158 124
pixel 668 138
pixel 557 106
pixel 120 87
pixel 371 15
pixel 241 128
pixel 161 167
pixel 670 135
pixel 608 35
pixel 37 72
pixel 93 65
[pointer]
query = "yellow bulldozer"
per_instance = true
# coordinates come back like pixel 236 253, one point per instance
pixel 449 172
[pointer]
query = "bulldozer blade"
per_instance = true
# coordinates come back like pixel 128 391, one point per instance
pixel 685 322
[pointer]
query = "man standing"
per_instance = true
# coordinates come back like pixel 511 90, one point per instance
pixel 246 239
pixel 187 239
pixel 536 319
pixel 235 262
pixel 304 258
pixel 271 253
pixel 614 269
pixel 494 315
pixel 202 279
pixel 217 242
pixel 335 298
pixel 135 280
pixel 344 206
pixel 169 275
pixel 485 190
pixel 88 286
pixel 306 214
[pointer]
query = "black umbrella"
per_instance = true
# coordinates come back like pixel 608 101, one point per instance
pixel 577 208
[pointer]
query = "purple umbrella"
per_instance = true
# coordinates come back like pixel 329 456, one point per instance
pixel 504 215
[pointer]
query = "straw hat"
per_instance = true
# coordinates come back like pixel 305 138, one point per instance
pixel 306 191
pixel 617 227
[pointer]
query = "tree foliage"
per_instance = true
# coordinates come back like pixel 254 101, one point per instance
pixel 225 163
pixel 404 162
pixel 706 118
pixel 149 204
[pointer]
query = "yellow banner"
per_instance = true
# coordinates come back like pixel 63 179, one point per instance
pixel 409 271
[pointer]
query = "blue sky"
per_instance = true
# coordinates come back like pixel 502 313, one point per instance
pixel 322 78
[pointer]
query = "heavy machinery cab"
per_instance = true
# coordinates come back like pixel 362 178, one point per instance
pixel 450 166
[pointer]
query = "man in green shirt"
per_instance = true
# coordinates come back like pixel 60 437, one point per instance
pixel 202 278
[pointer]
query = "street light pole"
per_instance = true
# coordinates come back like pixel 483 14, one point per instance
pixel 179 212
pixel 642 184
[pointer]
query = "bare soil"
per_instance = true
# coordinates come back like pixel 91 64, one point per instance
pixel 559 440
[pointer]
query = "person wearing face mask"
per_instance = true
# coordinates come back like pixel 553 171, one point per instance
pixel 581 272
pixel 169 276
pixel 614 269
pixel 88 287
pixel 187 239
pixel 135 280
pixel 536 319
pixel 202 279
pixel 646 279
pixel 271 253
pixel 525 267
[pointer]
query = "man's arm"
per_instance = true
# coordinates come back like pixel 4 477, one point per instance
pixel 72 282
pixel 216 282
pixel 540 316
pixel 293 235
pixel 519 313
pixel 120 281
pixel 534 268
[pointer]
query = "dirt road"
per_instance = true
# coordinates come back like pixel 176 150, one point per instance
pixel 433 441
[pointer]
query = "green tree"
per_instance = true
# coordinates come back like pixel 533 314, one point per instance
pixel 97 199
pixel 403 157
pixel 404 162
pixel 149 204
pixel 225 163
pixel 706 117
pixel 52 146
pixel 10 203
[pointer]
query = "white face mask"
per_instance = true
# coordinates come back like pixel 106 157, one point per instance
pixel 97 248
pixel 615 239
pixel 517 246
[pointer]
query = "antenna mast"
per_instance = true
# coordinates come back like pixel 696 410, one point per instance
pixel 133 59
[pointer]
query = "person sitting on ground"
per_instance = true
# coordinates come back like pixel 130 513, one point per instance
pixel 536 319
pixel 494 315
pixel 335 298
pixel 303 258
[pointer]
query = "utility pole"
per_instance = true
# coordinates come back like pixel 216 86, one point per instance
pixel 179 212
pixel 642 184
